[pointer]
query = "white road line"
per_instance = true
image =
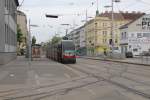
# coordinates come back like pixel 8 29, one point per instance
pixel 37 79
pixel 75 71
pixel 91 91
pixel 67 75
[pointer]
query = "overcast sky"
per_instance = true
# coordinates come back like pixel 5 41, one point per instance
pixel 71 12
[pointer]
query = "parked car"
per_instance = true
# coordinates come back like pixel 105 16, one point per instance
pixel 129 55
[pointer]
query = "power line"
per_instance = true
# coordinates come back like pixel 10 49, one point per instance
pixel 143 2
pixel 21 4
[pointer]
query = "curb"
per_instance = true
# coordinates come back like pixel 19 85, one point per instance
pixel 110 60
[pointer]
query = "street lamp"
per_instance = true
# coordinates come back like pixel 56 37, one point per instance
pixel 29 40
pixel 112 22
pixel 51 16
pixel 66 28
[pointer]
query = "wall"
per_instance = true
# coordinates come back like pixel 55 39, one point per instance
pixel 8 39
pixel 137 42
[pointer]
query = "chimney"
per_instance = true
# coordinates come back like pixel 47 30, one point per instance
pixel 139 12
pixel 127 12
pixel 133 12
pixel 106 12
pixel 111 12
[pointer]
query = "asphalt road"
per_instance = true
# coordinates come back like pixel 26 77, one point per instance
pixel 86 80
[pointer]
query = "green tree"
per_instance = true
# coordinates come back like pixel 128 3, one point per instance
pixel 55 39
pixel 19 35
pixel 33 40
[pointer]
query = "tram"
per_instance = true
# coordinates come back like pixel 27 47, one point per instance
pixel 63 52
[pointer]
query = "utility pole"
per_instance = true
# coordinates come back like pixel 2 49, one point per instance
pixel 86 15
pixel 29 42
pixel 112 42
pixel 112 26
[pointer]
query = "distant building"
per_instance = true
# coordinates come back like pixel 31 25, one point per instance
pixel 98 31
pixel 78 36
pixel 22 22
pixel 135 36
pixel 8 30
pixel 75 36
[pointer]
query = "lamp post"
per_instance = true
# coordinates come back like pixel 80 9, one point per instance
pixel 112 23
pixel 66 28
pixel 29 41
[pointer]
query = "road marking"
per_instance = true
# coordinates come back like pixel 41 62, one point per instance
pixel 67 75
pixel 37 79
pixel 90 91
pixel 12 75
pixel 75 71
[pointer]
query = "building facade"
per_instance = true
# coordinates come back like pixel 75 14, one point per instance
pixel 78 36
pixel 99 31
pixel 8 30
pixel 135 36
pixel 82 49
pixel 97 35
pixel 22 24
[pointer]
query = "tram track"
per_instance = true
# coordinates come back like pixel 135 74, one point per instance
pixel 63 91
pixel 121 73
pixel 135 91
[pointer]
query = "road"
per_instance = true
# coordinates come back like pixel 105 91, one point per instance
pixel 86 80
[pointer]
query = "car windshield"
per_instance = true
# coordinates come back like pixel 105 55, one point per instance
pixel 74 49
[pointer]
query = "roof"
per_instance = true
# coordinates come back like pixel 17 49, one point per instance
pixel 123 15
pixel 17 2
pixel 21 13
pixel 126 25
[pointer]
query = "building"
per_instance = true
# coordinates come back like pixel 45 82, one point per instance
pixel 82 49
pixel 98 31
pixel 135 36
pixel 96 42
pixel 8 30
pixel 75 36
pixel 22 23
pixel 78 36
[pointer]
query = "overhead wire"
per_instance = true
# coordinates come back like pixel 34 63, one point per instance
pixel 20 5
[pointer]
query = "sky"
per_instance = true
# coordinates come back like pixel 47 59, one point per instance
pixel 72 12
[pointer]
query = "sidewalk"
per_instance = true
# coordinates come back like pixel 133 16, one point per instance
pixel 137 60
pixel 20 74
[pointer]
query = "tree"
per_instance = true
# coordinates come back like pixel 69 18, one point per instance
pixel 33 40
pixel 19 35
pixel 55 39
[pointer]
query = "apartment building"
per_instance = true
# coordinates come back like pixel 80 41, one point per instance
pixel 22 23
pixel 99 31
pixel 78 36
pixel 135 36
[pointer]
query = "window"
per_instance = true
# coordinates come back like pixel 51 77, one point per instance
pixel 5 3
pixel 146 34
pixel 116 48
pixel 132 35
pixel 124 35
pixel 139 35
pixel 5 33
pixel 105 33
pixel 135 50
pixel 116 40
